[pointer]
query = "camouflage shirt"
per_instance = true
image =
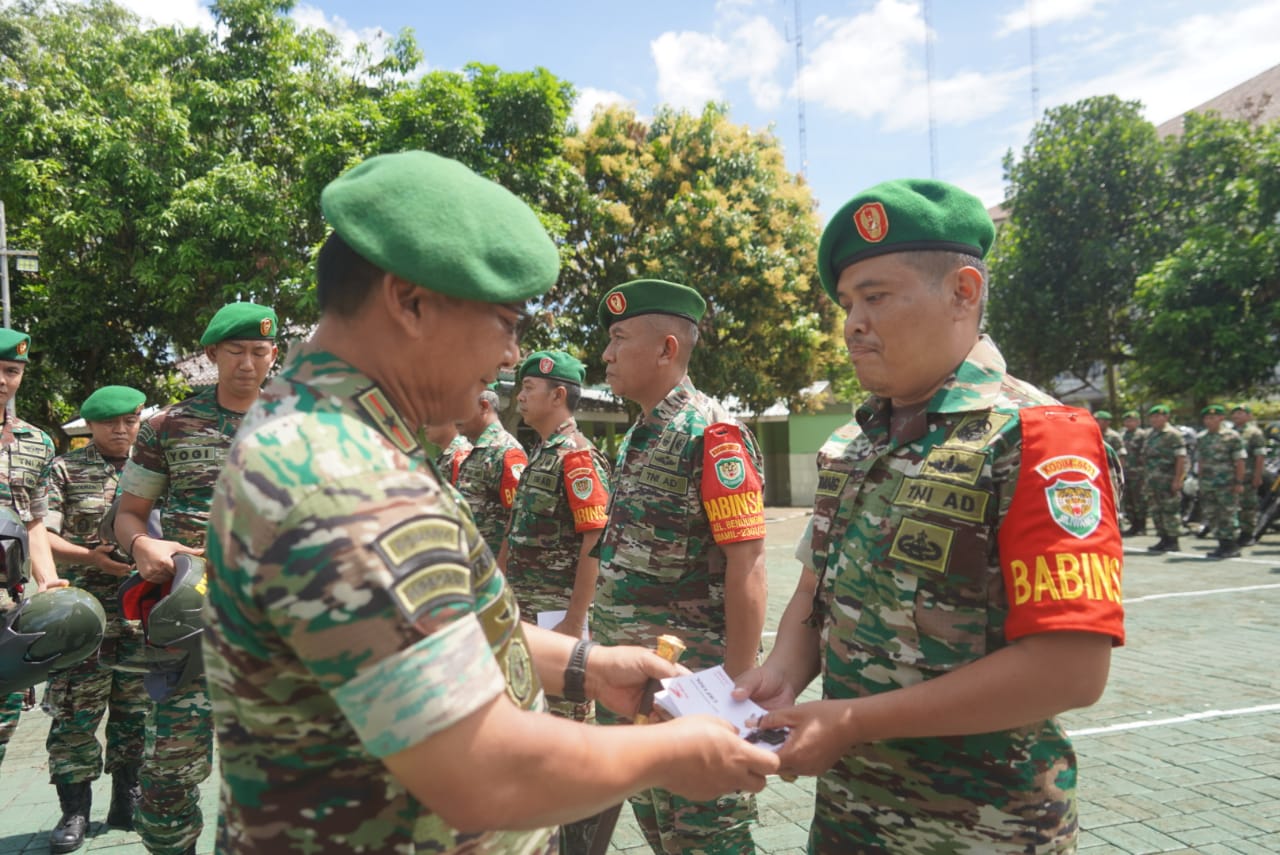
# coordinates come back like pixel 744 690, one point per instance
pixel 353 612
pixel 1115 441
pixel 487 479
pixel 82 485
pixel 661 568
pixel 28 454
pixel 1160 451
pixel 1255 445
pixel 1133 440
pixel 449 461
pixel 177 457
pixel 563 494
pixel 907 540
pixel 1217 454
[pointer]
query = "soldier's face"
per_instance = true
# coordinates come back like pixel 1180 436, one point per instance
pixel 633 354
pixel 1158 420
pixel 1130 423
pixel 466 343
pixel 243 364
pixel 536 400
pixel 1212 421
pixel 903 332
pixel 1239 418
pixel 114 437
pixel 11 374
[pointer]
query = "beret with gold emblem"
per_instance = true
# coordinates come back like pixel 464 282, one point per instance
pixel 903 216
pixel 111 401
pixel 435 223
pixel 651 297
pixel 1102 414
pixel 1214 410
pixel 1158 410
pixel 14 345
pixel 236 321
pixel 553 364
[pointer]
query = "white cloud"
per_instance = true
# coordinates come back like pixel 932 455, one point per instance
pixel 589 98
pixel 1044 12
pixel 349 39
pixel 188 13
pixel 872 66
pixel 694 68
pixel 1196 59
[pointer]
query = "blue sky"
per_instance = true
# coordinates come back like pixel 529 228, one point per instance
pixel 867 98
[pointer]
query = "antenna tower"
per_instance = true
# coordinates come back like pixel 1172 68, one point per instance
pixel 1035 73
pixel 928 71
pixel 804 144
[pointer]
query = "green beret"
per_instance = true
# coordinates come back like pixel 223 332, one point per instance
pixel 14 345
pixel 552 364
pixel 241 321
pixel 435 223
pixel 651 297
pixel 1158 410
pixel 1102 414
pixel 1131 414
pixel 111 401
pixel 1214 410
pixel 1242 408
pixel 901 216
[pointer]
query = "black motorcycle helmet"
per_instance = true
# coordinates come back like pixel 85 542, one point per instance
pixel 14 550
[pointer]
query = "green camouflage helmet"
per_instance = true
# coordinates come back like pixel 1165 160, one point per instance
pixel 13 549
pixel 49 631
pixel 171 625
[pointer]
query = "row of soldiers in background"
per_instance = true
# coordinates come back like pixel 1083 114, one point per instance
pixel 1227 459
pixel 159 737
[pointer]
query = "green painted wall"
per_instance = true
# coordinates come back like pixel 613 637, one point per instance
pixel 810 431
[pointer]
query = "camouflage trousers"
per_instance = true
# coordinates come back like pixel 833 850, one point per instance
pixel 1135 497
pixel 676 826
pixel 1165 507
pixel 177 758
pixel 77 698
pixel 1248 509
pixel 1221 509
pixel 10 708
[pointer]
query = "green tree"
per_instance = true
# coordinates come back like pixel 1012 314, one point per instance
pixel 1085 202
pixel 1208 315
pixel 705 202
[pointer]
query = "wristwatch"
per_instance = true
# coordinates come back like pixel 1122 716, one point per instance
pixel 575 675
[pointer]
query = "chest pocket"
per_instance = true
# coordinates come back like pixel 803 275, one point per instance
pixel 658 509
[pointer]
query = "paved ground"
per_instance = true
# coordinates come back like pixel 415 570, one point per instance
pixel 1182 754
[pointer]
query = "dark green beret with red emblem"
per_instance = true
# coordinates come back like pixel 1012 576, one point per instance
pixel 435 223
pixel 111 401
pixel 14 345
pixel 903 216
pixel 236 321
pixel 553 364
pixel 651 297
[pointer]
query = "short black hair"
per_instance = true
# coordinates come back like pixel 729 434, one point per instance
pixel 344 278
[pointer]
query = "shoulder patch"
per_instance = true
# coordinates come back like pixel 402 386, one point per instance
pixel 588 497
pixel 732 489
pixel 426 556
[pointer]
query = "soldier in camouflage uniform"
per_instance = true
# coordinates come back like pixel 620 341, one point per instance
pixel 454 448
pixel 1220 457
pixel 962 565
pixel 556 522
pixel 683 551
pixel 28 453
pixel 178 455
pixel 1255 446
pixel 373 687
pixel 1164 467
pixel 1135 504
pixel 82 485
pixel 488 476
pixel 1111 436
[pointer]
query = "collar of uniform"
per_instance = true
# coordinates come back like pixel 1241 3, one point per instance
pixel 974 385
pixel 311 366
pixel 562 432
pixel 17 425
pixel 673 403
pixel 488 436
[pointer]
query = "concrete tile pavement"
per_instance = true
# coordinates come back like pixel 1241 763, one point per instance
pixel 1181 754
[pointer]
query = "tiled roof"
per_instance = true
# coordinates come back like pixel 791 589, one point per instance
pixel 1257 99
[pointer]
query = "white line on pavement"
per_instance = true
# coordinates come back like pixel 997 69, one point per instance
pixel 1128 601
pixel 1182 719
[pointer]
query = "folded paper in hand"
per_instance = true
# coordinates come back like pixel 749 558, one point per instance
pixel 709 692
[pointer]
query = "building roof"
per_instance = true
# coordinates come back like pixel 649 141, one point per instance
pixel 1257 100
